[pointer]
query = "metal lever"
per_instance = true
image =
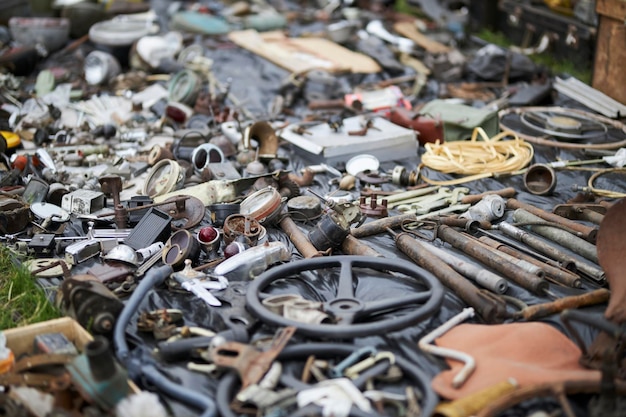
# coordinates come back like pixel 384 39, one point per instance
pixel 251 363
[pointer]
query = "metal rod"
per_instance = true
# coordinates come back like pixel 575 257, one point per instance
pixel 298 238
pixel 381 225
pixel 483 277
pixel 534 242
pixel 588 233
pixel 542 310
pixel 353 246
pixel 563 238
pixel 469 362
pixel 559 275
pixel 475 198
pixel 494 260
pixel 489 306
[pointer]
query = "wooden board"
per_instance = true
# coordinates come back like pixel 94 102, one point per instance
pixel 609 75
pixel 409 30
pixel 612 8
pixel 300 55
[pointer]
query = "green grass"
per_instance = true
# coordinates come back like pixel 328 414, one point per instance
pixel 22 301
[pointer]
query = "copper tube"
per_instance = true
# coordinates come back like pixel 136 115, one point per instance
pixel 487 305
pixel 588 233
pixel 493 260
pixel 353 246
pixel 475 198
pixel 559 275
pixel 298 238
pixel 542 310
pixel 380 226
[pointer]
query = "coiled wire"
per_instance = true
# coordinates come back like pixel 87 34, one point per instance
pixel 477 159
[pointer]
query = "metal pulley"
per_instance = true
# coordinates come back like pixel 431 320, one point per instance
pixel 90 302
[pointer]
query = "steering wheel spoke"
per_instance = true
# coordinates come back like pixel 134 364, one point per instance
pixel 352 317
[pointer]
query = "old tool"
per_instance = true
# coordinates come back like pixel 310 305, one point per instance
pixel 490 307
pixel 351 316
pixel 588 233
pixel 513 272
pixel 469 362
pixel 332 228
pixel 475 198
pixel 250 363
pixel 472 404
pixel 353 246
pixel 380 226
pixel 539 311
pixel 489 208
pixel 253 261
pixel 578 211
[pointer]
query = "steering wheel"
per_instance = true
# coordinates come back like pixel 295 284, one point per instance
pixel 351 316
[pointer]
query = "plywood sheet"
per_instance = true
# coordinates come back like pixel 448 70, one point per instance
pixel 304 54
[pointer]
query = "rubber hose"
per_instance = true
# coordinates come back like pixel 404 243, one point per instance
pixel 154 277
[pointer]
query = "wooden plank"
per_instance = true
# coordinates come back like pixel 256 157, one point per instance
pixel 615 9
pixel 304 54
pixel 409 30
pixel 608 71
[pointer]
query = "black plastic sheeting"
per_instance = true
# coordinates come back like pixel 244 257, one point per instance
pixel 255 82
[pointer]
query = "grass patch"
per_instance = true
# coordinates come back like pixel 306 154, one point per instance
pixel 557 66
pixel 22 301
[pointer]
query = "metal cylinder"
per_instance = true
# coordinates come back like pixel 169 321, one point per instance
pixel 539 245
pixel 298 238
pixel 588 233
pixel 526 266
pixel 513 272
pixel 483 277
pixel 539 311
pixel 353 246
pixel 327 233
pixel 491 308
pixel 558 275
pixel 562 237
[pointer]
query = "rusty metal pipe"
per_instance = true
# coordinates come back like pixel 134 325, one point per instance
pixel 482 276
pixel 475 198
pixel 534 242
pixel 493 260
pixel 562 237
pixel 298 238
pixel 558 275
pixel 381 225
pixel 353 246
pixel 526 266
pixel 542 310
pixel 305 179
pixel 588 233
pixel 489 306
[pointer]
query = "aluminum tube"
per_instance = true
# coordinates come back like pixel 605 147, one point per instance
pixel 492 259
pixel 588 233
pixel 483 277
pixel 562 237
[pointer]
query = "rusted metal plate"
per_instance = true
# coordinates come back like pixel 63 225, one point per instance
pixel 186 214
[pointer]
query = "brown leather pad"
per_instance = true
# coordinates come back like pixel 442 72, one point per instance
pixel 531 352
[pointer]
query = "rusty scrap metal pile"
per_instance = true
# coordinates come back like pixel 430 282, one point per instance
pixel 282 209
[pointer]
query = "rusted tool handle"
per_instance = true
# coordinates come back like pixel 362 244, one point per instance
pixel 543 310
pixel 475 198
